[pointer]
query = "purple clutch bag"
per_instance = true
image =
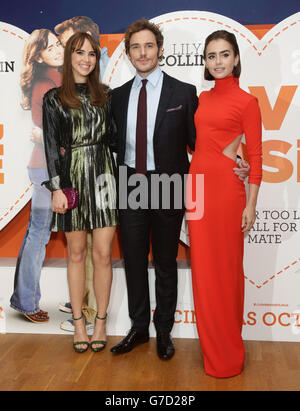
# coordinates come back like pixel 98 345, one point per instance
pixel 72 197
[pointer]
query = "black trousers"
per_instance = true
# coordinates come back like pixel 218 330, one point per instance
pixel 161 227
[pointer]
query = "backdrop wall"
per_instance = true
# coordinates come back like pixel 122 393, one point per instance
pixel 12 233
pixel 271 68
pixel 114 16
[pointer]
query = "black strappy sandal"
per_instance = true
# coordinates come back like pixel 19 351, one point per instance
pixel 78 343
pixel 102 342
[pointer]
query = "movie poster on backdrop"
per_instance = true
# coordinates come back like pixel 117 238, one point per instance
pixel 271 72
pixel 30 65
pixel 15 126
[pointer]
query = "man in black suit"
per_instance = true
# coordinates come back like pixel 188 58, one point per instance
pixel 170 108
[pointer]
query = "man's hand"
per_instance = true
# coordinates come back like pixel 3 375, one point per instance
pixel 242 170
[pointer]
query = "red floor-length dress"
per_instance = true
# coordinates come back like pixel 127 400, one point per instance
pixel 216 241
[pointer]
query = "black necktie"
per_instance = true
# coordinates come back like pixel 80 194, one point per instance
pixel 141 132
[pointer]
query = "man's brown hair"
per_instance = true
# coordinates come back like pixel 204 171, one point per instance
pixel 79 23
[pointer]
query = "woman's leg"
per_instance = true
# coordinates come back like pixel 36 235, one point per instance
pixel 102 245
pixel 76 279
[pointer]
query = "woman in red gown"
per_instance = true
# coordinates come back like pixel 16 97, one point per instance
pixel 224 114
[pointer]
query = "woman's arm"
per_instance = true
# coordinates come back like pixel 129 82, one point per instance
pixel 249 213
pixel 253 135
pixel 51 132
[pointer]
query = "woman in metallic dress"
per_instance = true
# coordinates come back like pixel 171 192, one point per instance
pixel 78 128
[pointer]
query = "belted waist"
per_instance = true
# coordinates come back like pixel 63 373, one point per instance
pixel 84 145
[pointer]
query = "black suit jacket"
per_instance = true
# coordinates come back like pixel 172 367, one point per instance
pixel 174 126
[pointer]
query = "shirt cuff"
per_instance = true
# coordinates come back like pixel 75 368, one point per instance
pixel 52 184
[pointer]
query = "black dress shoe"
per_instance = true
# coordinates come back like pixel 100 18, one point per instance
pixel 129 342
pixel 165 346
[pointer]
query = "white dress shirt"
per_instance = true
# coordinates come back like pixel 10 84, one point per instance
pixel 153 88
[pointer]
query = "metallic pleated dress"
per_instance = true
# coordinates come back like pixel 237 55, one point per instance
pixel 77 145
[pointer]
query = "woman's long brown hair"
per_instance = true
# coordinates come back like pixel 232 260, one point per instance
pixel 35 44
pixel 68 94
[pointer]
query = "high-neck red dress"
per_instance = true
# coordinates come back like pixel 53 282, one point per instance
pixel 225 113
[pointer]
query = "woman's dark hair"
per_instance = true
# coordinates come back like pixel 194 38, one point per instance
pixel 35 44
pixel 68 94
pixel 231 39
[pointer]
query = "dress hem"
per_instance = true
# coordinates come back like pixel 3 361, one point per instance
pixel 229 374
pixel 83 229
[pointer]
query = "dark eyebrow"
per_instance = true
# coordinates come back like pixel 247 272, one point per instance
pixel 138 44
pixel 91 51
pixel 223 51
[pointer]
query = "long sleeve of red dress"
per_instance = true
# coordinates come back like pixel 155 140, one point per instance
pixel 251 123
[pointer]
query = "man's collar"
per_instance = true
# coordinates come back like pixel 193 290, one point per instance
pixel 153 78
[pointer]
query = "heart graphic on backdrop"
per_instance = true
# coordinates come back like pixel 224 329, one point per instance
pixel 15 127
pixel 271 71
pixel 269 67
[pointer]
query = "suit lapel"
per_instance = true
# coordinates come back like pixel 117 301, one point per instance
pixel 166 93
